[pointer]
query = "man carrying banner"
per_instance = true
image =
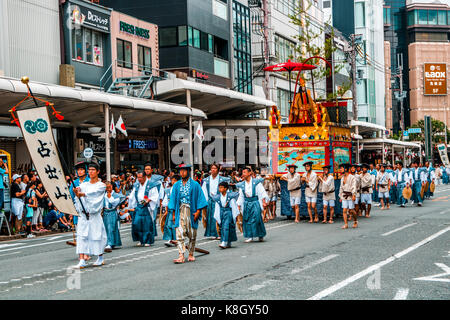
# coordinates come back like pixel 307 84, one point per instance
pixel 91 234
pixel 210 188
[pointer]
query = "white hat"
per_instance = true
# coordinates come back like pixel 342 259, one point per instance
pixel 16 176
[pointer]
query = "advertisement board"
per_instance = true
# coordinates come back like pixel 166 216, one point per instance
pixel 435 79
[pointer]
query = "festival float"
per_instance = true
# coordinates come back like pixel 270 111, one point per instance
pixel 317 131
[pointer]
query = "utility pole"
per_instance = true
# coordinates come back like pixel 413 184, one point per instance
pixel 354 75
pixel 400 75
pixel 266 52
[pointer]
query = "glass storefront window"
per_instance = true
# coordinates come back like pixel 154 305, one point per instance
pixel 210 43
pixel 168 37
pixel 423 16
pixel 220 9
pixel 144 58
pixel 98 48
pixel 360 15
pixel 432 17
pixel 87 46
pixel 190 36
pixel 442 18
pixel 125 60
pixel 182 36
pixel 196 38
pixel 77 38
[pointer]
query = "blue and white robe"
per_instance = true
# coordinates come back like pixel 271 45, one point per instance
pixel 196 201
pixel 169 229
pixel 158 180
pixel 225 213
pixel 418 177
pixel 250 200
pixel 210 188
pixel 142 225
pixel 402 178
pixel 76 183
pixel 111 219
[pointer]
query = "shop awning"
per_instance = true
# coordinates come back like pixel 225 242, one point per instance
pixel 251 123
pixel 216 102
pixel 396 143
pixel 367 127
pixel 84 107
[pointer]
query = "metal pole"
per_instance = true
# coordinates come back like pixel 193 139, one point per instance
pixel 107 143
pixel 191 157
pixel 393 154
pixel 357 144
pixel 445 120
pixel 382 153
pixel 354 84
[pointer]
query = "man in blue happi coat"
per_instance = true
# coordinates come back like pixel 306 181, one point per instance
pixel 169 230
pixel 186 201
pixel 252 200
pixel 419 180
pixel 210 188
pixel 403 179
pixel 225 213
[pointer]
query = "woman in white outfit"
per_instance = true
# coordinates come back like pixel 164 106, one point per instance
pixel 91 232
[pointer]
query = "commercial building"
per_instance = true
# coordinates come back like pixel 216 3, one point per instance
pixel 365 19
pixel 428 32
pixel 283 46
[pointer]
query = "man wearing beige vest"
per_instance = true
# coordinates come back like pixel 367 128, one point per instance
pixel 294 188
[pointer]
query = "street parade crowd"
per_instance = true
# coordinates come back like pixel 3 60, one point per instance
pixel 223 200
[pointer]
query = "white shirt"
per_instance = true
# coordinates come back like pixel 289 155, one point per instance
pixel 153 196
pixel 232 205
pixel 260 192
pixel 213 185
pixel 95 192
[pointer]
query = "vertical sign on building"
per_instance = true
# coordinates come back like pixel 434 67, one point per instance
pixel 435 79
pixel 428 143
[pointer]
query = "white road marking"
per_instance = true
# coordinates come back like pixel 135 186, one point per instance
pixel 8 254
pixel 401 294
pixel 7 245
pixel 437 277
pixel 369 270
pixel 34 245
pixel 398 229
pixel 315 263
pixel 260 286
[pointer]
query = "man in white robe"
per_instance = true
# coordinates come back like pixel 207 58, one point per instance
pixel 91 232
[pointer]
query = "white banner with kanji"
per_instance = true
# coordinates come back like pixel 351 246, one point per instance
pixel 443 154
pixel 38 135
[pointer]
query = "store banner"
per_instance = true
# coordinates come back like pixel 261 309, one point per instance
pixel 444 155
pixel 38 135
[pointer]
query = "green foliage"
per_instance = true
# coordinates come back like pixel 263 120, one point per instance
pixel 311 45
pixel 437 129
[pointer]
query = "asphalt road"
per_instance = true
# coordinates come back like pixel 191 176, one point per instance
pixel 403 253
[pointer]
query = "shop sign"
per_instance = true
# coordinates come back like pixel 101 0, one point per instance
pixel 83 16
pixel 200 75
pixel 136 144
pixel 435 79
pixel 133 30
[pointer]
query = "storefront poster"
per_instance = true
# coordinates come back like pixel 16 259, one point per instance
pixel 87 17
pixel 38 136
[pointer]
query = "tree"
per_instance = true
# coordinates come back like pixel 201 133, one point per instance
pixel 437 131
pixel 312 44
